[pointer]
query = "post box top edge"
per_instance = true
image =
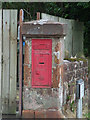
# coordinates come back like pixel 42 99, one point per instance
pixel 42 22
pixel 44 28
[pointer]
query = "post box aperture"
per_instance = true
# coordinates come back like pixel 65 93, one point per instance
pixel 41 62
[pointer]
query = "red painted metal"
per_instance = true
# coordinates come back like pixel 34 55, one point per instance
pixel 20 66
pixel 41 63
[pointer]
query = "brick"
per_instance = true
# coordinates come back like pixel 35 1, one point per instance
pixel 26 58
pixel 40 114
pixel 26 75
pixel 54 82
pixel 53 114
pixel 28 113
pixel 27 69
pixel 48 114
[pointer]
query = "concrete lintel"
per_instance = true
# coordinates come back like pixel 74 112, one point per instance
pixel 45 29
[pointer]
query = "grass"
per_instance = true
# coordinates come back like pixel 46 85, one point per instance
pixel 87 115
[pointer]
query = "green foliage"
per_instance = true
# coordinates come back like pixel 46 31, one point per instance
pixel 66 10
pixel 87 115
pixel 72 106
pixel 79 11
pixel 68 97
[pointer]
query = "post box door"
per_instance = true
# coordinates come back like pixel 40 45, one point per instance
pixel 41 63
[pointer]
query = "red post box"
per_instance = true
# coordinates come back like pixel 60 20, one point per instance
pixel 41 63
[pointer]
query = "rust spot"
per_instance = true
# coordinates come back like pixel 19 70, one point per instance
pixel 27 69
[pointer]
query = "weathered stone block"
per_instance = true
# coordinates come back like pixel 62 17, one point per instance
pixel 86 70
pixel 65 67
pixel 85 63
pixel 27 71
pixel 78 73
pixel 81 64
pixel 41 98
pixel 71 66
pixel 76 65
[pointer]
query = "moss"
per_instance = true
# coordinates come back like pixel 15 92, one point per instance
pixel 68 97
pixel 76 59
pixel 70 59
pixel 82 59
pixel 73 83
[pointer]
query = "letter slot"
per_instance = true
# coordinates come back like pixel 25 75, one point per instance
pixel 41 62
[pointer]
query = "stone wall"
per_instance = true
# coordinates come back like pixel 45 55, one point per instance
pixel 73 71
